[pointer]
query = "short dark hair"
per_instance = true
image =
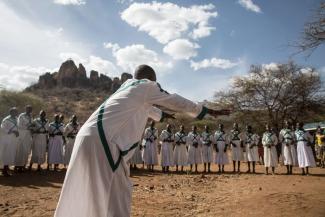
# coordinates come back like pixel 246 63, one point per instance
pixel 145 72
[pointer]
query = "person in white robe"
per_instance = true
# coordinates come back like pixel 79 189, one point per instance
pixel 70 132
pixel 10 140
pixel 305 153
pixel 220 144
pixel 150 151
pixel 289 153
pixel 194 148
pixel 40 140
pixel 97 180
pixel 236 144
pixel 250 141
pixel 55 151
pixel 137 157
pixel 180 150
pixel 269 142
pixel 167 139
pixel 25 138
pixel 207 148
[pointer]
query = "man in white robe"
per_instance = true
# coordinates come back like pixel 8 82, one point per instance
pixel 25 138
pixel 55 151
pixel 269 142
pixel 221 144
pixel 70 132
pixel 289 153
pixel 150 151
pixel 9 141
pixel 236 142
pixel 251 145
pixel 167 139
pixel 207 149
pixel 97 182
pixel 40 140
pixel 194 148
pixel 180 151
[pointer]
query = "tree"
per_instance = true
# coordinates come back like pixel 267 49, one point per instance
pixel 273 93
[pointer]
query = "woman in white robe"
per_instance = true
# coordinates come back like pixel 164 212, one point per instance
pixel 269 142
pixel 220 144
pixel 97 181
pixel 40 139
pixel 180 151
pixel 194 148
pixel 55 152
pixel 10 141
pixel 251 145
pixel 167 139
pixel 137 156
pixel 305 153
pixel 289 153
pixel 207 148
pixel 150 151
pixel 70 131
pixel 236 144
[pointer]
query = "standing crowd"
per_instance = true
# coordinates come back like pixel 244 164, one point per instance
pixel 24 141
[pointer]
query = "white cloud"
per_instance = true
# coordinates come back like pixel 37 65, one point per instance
pixel 54 33
pixel 249 5
pixel 181 49
pixel 70 2
pixel 113 46
pixel 168 21
pixel 270 66
pixel 214 62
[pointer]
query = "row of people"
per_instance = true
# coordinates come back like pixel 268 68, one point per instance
pixel 182 149
pixel 22 136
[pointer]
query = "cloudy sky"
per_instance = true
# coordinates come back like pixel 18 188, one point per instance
pixel 196 47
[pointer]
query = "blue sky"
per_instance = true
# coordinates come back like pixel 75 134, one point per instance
pixel 196 47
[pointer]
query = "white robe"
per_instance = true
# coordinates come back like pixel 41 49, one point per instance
pixel 180 151
pixel 25 139
pixel 55 152
pixel 97 182
pixel 235 137
pixel 270 154
pixel 9 141
pixel 289 152
pixel 220 141
pixel 150 151
pixel 250 143
pixel 40 135
pixel 167 139
pixel 304 151
pixel 70 131
pixel 207 147
pixel 137 156
pixel 194 151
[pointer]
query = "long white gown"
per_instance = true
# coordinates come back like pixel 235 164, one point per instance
pixel 250 143
pixel 25 139
pixel 180 151
pixel 220 140
pixel 9 141
pixel 207 147
pixel 304 151
pixel 167 139
pixel 70 131
pixel 194 148
pixel 55 152
pixel 289 152
pixel 235 137
pixel 150 151
pixel 40 138
pixel 97 180
pixel 137 156
pixel 269 142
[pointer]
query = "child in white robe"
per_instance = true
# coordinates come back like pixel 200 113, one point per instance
pixel 70 131
pixel 150 152
pixel 207 148
pixel 194 148
pixel 269 142
pixel 236 142
pixel 167 139
pixel 180 151
pixel 251 141
pixel 289 153
pixel 55 151
pixel 305 153
pixel 220 144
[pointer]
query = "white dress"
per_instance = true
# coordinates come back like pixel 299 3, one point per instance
pixel 97 181
pixel 220 140
pixel 207 147
pixel 167 139
pixel 236 151
pixel 180 151
pixel 70 131
pixel 250 142
pixel 269 142
pixel 150 151
pixel 304 152
pixel 9 141
pixel 55 152
pixel 137 156
pixel 25 139
pixel 289 152
pixel 40 135
pixel 194 148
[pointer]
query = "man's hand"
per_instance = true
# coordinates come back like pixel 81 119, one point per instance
pixel 216 113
